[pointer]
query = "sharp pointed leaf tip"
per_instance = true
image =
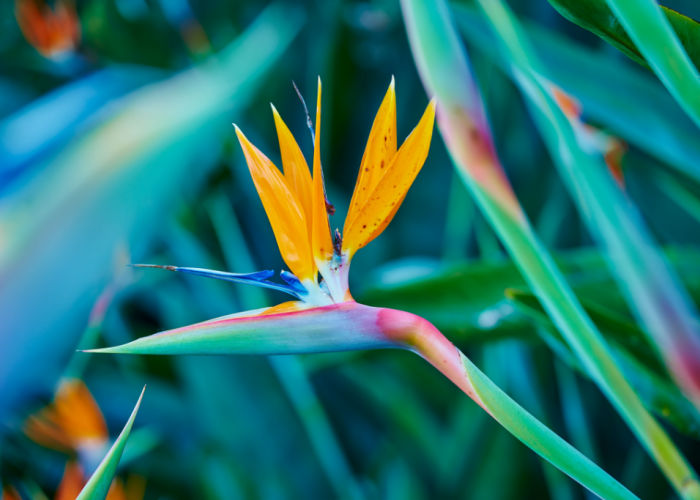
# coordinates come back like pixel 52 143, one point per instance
pixel 99 483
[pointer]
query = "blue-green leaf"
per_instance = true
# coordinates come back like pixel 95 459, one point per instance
pixel 98 485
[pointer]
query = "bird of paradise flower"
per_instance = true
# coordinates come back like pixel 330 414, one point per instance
pixel 324 317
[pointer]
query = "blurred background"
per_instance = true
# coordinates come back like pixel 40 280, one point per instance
pixel 116 146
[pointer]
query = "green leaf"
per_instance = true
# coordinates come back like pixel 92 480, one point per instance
pixel 651 287
pixel 646 375
pixel 98 485
pixel 468 302
pixel 649 283
pixel 596 17
pixel 541 439
pixel 467 299
pixel 336 327
pixel 654 34
pixel 623 98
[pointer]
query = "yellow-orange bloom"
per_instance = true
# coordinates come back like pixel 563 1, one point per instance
pixel 295 202
pixel 72 421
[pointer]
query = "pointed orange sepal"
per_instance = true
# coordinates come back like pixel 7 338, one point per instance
pixel 72 420
pixel 283 210
pixel 72 482
pixel 296 171
pixel 321 234
pixel 368 220
pixel 380 149
pixel 51 31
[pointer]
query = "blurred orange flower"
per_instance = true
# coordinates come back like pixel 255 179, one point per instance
pixel 52 32
pixel 74 423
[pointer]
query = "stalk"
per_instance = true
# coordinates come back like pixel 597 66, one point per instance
pixel 649 283
pixel 653 35
pixel 420 336
pixel 443 66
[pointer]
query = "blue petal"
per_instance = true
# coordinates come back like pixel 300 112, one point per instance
pixel 258 278
pixel 292 281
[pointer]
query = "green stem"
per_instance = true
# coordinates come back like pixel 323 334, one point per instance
pixel 586 341
pixel 463 125
pixel 423 338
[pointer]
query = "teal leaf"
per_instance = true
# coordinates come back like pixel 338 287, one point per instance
pixel 596 17
pixel 98 485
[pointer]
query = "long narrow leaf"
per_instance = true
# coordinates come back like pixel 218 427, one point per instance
pixel 439 55
pixel 98 485
pixel 610 91
pixel 658 43
pixel 626 242
pixel 652 288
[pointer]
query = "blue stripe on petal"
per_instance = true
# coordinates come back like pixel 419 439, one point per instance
pixel 258 278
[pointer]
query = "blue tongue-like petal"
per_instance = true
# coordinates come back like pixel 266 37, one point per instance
pixel 292 281
pixel 258 278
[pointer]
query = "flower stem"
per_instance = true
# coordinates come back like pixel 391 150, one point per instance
pixel 420 336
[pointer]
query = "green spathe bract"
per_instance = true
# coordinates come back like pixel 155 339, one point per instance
pixel 337 327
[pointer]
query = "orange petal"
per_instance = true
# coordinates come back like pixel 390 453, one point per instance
pixel 49 31
pixel 291 305
pixel 78 412
pixel 70 421
pixel 380 149
pixel 43 430
pixel 283 210
pixel 381 206
pixel 296 171
pixel 72 482
pixel 116 490
pixel 321 233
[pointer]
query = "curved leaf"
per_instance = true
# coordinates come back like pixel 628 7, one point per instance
pixel 596 17
pixel 109 185
pixel 612 93
pixel 649 380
